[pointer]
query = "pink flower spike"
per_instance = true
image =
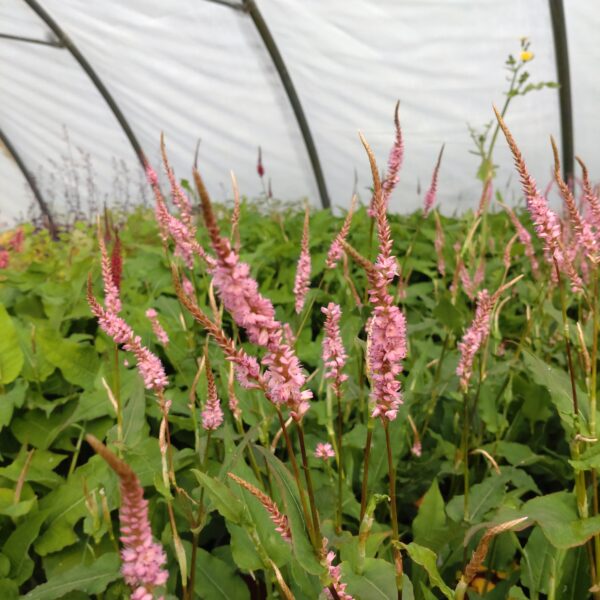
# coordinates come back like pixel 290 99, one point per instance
pixel 324 451
pixel 284 378
pixel 157 328
pixel 149 365
pixel 212 415
pixel 302 281
pixel 143 559
pixel 4 259
pixel 525 239
pixel 474 337
pixel 546 221
pixel 335 574
pixel 591 198
pixel 187 286
pixel 334 354
pixel 432 191
pixel 179 196
pixel 387 344
pixel 583 230
pixel 112 299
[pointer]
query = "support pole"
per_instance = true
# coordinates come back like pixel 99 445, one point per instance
pixel 265 34
pixel 32 184
pixel 561 52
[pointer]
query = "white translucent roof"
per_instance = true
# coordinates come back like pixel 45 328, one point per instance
pixel 198 70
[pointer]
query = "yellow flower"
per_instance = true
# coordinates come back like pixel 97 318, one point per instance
pixel 526 56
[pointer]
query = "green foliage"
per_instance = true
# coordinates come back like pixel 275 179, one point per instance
pixel 58 502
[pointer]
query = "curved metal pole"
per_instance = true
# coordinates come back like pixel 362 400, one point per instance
pixel 29 40
pixel 85 65
pixel 561 51
pixel 286 80
pixel 32 184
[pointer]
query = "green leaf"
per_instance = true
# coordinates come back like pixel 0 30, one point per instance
pixel 243 549
pixel 11 355
pixel 222 497
pixel 17 546
pixel 429 527
pixel 9 590
pixel 11 400
pixel 540 557
pixel 447 314
pixel 92 579
pixel 301 545
pixel 557 515
pixel 78 362
pixel 377 581
pixel 427 559
pixel 558 384
pixel 217 580
pixel 574 578
pixel 483 497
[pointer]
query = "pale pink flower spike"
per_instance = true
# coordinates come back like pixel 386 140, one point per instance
pixel 335 574
pixel 157 328
pixel 474 337
pixel 387 325
pixel 212 415
pixel 334 355
pixel 143 559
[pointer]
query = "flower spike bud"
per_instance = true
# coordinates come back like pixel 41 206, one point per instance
pixel 583 231
pixel 395 158
pixel 235 214
pixel 116 261
pixel 259 164
pixel 432 191
pixel 336 249
pixel 590 197
pixel 179 196
pixel 279 519
pixel 302 281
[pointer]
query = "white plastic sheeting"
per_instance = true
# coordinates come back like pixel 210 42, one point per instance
pixel 195 69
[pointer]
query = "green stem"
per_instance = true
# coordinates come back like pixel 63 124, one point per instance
pixel 563 306
pixel 393 507
pixel 296 472
pixel 365 478
pixel 594 357
pixel 340 429
pixel 465 449
pixel 309 486
pixel 198 523
pixel 117 395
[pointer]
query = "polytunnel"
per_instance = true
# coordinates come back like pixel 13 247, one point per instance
pixel 87 88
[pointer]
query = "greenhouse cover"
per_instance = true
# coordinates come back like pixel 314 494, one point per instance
pixel 200 72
